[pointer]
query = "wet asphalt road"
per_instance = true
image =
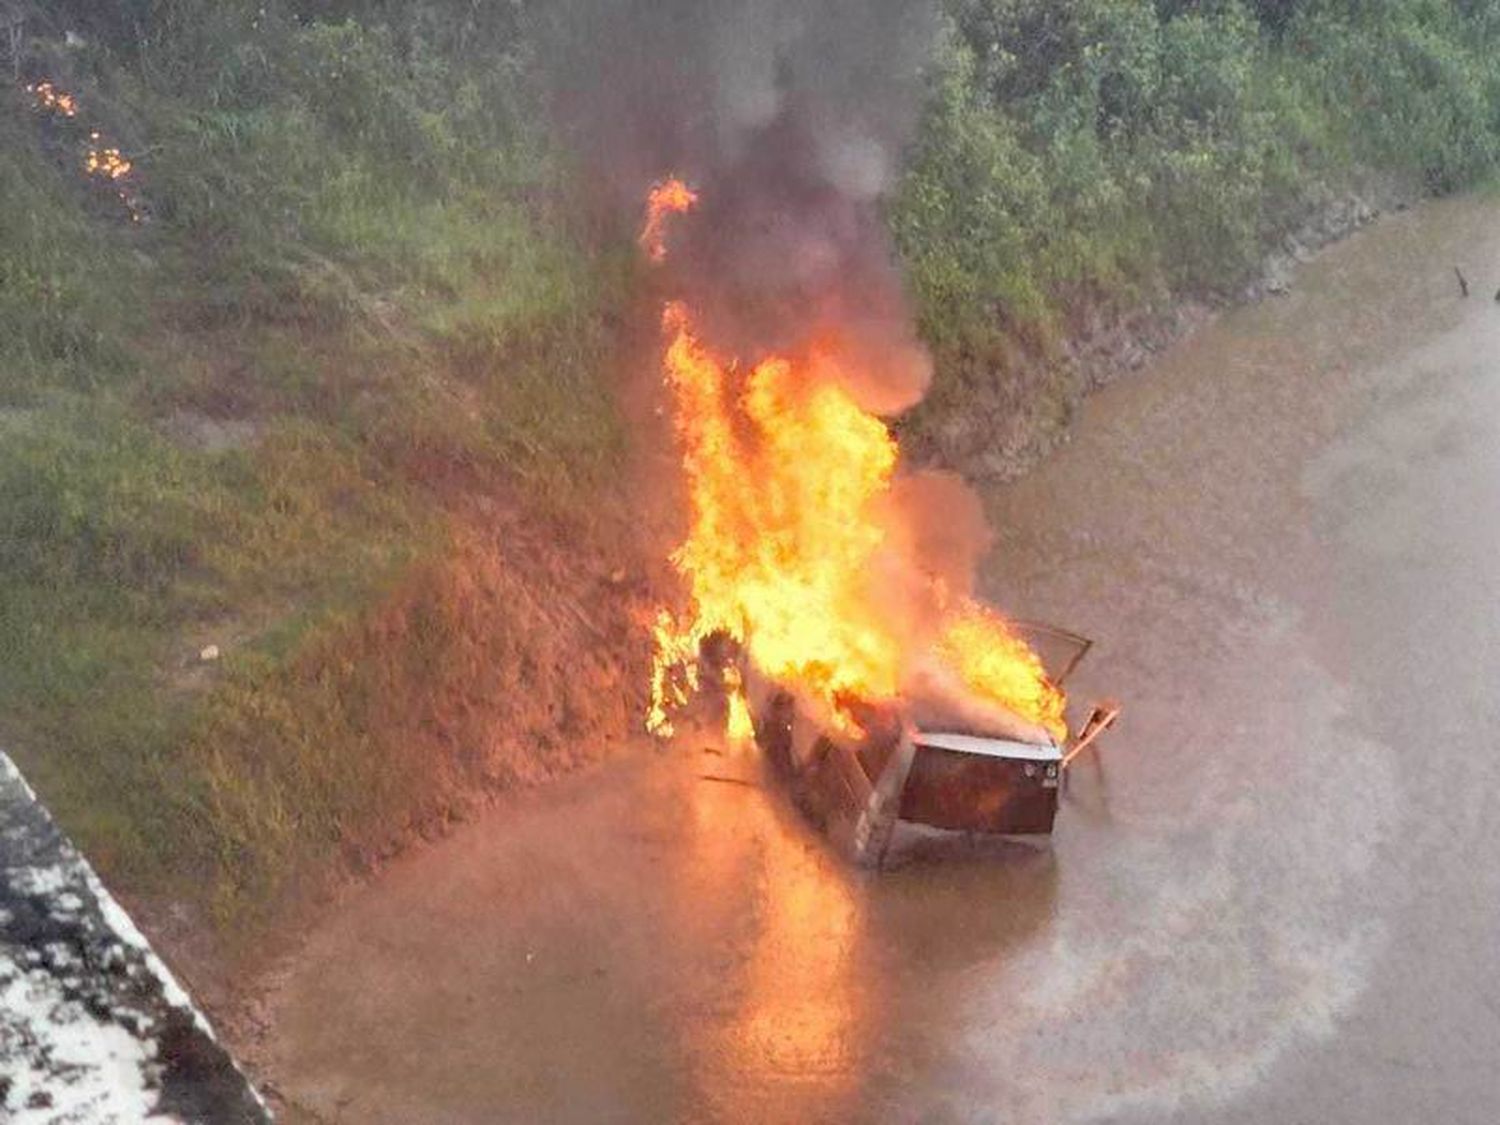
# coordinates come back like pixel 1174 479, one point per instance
pixel 1276 900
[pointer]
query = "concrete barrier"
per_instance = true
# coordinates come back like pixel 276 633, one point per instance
pixel 93 1027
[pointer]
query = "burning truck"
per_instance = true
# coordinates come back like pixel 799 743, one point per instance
pixel 829 598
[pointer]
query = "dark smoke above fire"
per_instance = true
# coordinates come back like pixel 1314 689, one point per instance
pixel 789 120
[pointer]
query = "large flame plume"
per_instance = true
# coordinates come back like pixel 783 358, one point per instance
pixel 799 548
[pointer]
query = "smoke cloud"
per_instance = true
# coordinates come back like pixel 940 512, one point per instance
pixel 935 534
pixel 788 118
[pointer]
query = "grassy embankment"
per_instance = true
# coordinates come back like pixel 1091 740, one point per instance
pixel 1088 159
pixel 327 409
pixel 330 408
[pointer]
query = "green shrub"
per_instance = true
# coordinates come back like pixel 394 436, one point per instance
pixel 1119 151
pixel 1415 82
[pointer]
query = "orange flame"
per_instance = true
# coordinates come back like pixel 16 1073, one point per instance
pixel 789 482
pixel 49 97
pixel 670 197
pixel 996 664
pixel 101 161
pixel 106 163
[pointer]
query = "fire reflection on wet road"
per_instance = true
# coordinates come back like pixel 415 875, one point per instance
pixel 797 1008
pixel 1278 899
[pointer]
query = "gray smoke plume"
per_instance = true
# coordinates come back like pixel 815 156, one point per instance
pixel 788 118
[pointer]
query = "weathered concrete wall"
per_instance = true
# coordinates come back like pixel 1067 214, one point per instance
pixel 93 1028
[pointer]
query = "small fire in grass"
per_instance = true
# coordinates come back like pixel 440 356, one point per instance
pixel 102 162
pixel 804 547
pixel 105 161
pixel 50 98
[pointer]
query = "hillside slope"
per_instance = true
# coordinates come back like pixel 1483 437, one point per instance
pixel 316 502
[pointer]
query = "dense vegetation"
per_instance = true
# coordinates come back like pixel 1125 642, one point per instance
pixel 352 325
pixel 364 302
pixel 1114 152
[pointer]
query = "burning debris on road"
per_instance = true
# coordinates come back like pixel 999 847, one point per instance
pixel 814 560
pixel 840 588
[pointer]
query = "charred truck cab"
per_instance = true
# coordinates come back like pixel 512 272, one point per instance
pixel 926 761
